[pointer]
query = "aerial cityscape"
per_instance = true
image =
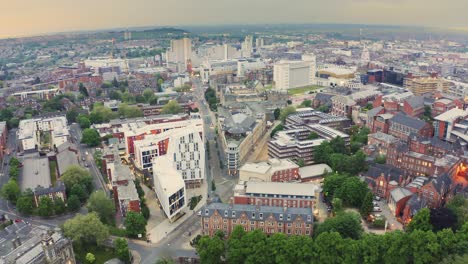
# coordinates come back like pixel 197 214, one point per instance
pixel 301 132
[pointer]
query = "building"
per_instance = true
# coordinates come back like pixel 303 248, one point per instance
pixel 382 179
pixel 54 192
pixel 294 143
pixel 247 46
pixel 210 68
pixel 3 139
pixel 445 122
pixel 297 195
pixel 124 191
pixel 180 51
pixel 185 148
pixel 398 199
pixel 42 133
pixel 244 66
pixel 425 85
pixel 293 74
pixel 458 89
pixel 27 244
pixel 414 106
pixel 67 155
pixel 380 142
pixel 401 126
pixel 169 187
pixel 313 172
pixel 273 170
pixel 270 219
pixel 342 105
pixel 305 116
pixel 443 105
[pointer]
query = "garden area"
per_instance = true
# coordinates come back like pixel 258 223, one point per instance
pixel 303 90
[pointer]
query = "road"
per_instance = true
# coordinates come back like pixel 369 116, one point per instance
pixel 99 183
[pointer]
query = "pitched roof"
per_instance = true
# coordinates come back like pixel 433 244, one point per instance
pixel 390 173
pixel 415 102
pixel 408 121
pixel 399 193
pixel 374 111
pixel 442 183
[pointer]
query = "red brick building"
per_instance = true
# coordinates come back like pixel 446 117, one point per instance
pixel 401 126
pixel 442 105
pixel 382 179
pixel 224 217
pixel 413 106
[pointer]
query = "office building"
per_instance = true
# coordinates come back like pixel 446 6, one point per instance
pixel 293 74
pixel 247 47
pixel 169 187
pixel 445 123
pixel 269 219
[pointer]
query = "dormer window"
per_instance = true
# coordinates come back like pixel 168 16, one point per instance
pixel 225 213
pixel 233 213
pixel 289 217
pixel 253 215
pixel 206 211
pixel 261 215
pixel 281 217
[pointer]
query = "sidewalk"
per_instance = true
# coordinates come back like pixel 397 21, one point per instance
pixel 163 229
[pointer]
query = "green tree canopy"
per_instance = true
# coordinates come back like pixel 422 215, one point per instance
pixel 46 206
pixel 135 224
pixel 83 121
pixel 421 221
pixel 172 107
pixel 103 206
pixel 285 112
pixel 129 111
pixel 25 204
pixel 121 248
pixel 347 224
pixel 91 137
pixel 10 191
pixel 76 175
pixel 73 203
pixel 86 229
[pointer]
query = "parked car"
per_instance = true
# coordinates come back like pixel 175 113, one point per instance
pixel 375 203
pixel 377 198
pixel 377 209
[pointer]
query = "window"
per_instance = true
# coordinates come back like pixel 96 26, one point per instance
pixel 281 217
pixel 260 215
pixel 289 225
pixel 225 221
pixel 289 217
pixel 225 213
pixel 233 213
pixel 206 211
pixel 253 215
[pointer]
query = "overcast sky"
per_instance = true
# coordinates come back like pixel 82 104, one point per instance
pixel 25 17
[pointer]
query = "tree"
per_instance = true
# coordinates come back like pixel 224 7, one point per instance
pixel 86 229
pixel 103 206
pixel 129 111
pixel 367 205
pixel 352 191
pixel 347 224
pixel 327 247
pixel 100 114
pixel 91 137
pixel 83 90
pixel 72 114
pixel 442 218
pixel 90 258
pixel 332 183
pixel 313 135
pixel 59 206
pixel 115 83
pixel 83 121
pixel 121 248
pixel 77 175
pixel 423 245
pixel 381 159
pixel 79 191
pixel 25 204
pixel 338 145
pixel 276 129
pixel 135 224
pixel 171 108
pixel 459 206
pixel 277 113
pixel 46 206
pixel 211 250
pixel 337 205
pixel 10 191
pixel 300 163
pixel 322 152
pixel 420 221
pixel 73 203
pixel 285 112
pixel 306 103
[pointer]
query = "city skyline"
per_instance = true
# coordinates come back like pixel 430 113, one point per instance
pixel 50 16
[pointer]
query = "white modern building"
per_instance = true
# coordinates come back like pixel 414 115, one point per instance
pixel 169 187
pixel 247 46
pixel 32 133
pixel 209 68
pixel 184 147
pixel 180 51
pixel 293 74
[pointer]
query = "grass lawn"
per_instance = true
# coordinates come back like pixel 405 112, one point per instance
pixel 302 90
pixel 53 172
pixel 102 254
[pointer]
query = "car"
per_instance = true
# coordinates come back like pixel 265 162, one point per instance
pixel 375 203
pixel 17 220
pixel 86 164
pixel 377 209
pixel 86 153
pixel 377 198
pixel 83 159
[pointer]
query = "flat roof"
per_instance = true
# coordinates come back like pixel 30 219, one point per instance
pixel 36 172
pixel 315 170
pixel 169 178
pixel 451 115
pixel 281 188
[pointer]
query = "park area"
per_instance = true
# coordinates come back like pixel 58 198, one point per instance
pixel 303 90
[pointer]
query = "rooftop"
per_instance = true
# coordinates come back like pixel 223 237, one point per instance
pixel 128 191
pixel 169 178
pixel 408 121
pixel 451 115
pixel 281 188
pixel 36 172
pixel 399 193
pixel 271 166
pixel 315 170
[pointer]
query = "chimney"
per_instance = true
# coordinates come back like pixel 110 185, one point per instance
pixel 285 209
pixel 258 204
pixel 231 202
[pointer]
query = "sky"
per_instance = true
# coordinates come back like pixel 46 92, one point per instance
pixel 30 17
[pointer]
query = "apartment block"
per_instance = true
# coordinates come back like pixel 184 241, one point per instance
pixel 34 134
pixel 425 85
